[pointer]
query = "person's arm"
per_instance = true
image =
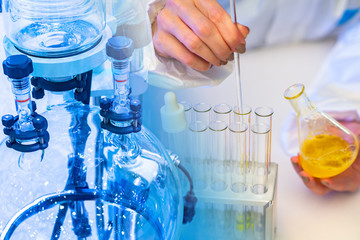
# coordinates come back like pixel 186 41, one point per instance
pixel 198 33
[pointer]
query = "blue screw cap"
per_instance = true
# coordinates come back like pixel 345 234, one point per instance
pixel 105 103
pixel 38 93
pixel 135 105
pixel 119 47
pixel 39 123
pixel 8 120
pixel 17 66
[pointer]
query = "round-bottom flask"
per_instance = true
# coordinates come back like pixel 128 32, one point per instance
pixel 66 164
pixel 37 168
pixel 140 172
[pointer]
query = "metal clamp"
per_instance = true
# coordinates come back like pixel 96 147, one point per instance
pixel 132 115
pixel 16 137
pixel 81 83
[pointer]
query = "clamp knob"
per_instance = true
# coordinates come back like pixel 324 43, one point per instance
pixel 135 105
pixel 39 123
pixel 105 103
pixel 8 120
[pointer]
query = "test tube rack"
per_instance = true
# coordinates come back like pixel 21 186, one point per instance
pixel 230 215
pixel 204 148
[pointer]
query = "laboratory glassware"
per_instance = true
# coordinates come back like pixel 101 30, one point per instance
pixel 136 190
pixel 41 173
pixel 218 155
pixel 222 112
pixel 199 148
pixel 131 20
pixel 242 114
pixel 327 148
pixel 23 133
pixel 201 114
pixel 219 160
pixel 54 28
pixel 236 203
pixel 260 156
pixel 264 115
pixel 138 169
pixel 239 144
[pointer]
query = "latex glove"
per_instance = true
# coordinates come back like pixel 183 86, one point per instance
pixel 349 180
pixel 198 33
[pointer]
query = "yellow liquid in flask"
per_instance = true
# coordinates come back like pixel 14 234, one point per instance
pixel 324 156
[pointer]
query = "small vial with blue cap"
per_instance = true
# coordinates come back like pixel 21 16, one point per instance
pixel 18 69
pixel 139 170
pixel 28 130
pixel 119 51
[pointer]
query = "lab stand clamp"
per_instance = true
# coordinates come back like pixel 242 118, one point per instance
pixel 27 131
pixel 133 116
pixel 16 137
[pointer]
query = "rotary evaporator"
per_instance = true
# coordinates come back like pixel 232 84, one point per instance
pixel 75 170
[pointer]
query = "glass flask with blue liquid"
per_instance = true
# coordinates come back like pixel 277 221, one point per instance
pixel 139 174
pixel 53 28
pixel 48 160
pixel 83 182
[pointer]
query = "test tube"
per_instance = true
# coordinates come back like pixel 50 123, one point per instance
pixel 222 113
pixel 239 144
pixel 242 114
pixel 259 157
pixel 199 145
pixel 264 114
pixel 201 113
pixel 218 161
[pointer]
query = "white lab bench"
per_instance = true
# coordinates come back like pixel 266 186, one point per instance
pixel 266 73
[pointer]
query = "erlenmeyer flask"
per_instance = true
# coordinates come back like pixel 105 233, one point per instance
pixel 326 147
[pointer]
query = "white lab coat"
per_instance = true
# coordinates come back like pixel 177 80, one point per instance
pixel 271 22
pixel 337 85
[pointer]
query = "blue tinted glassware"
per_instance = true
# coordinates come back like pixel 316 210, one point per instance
pixel 53 28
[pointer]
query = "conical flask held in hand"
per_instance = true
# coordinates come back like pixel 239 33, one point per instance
pixel 327 148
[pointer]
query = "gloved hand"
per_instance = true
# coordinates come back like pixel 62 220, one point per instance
pixel 198 33
pixel 349 180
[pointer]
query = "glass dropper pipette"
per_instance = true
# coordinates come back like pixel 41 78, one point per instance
pixel 237 63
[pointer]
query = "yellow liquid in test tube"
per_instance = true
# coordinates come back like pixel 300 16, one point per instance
pixel 324 156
